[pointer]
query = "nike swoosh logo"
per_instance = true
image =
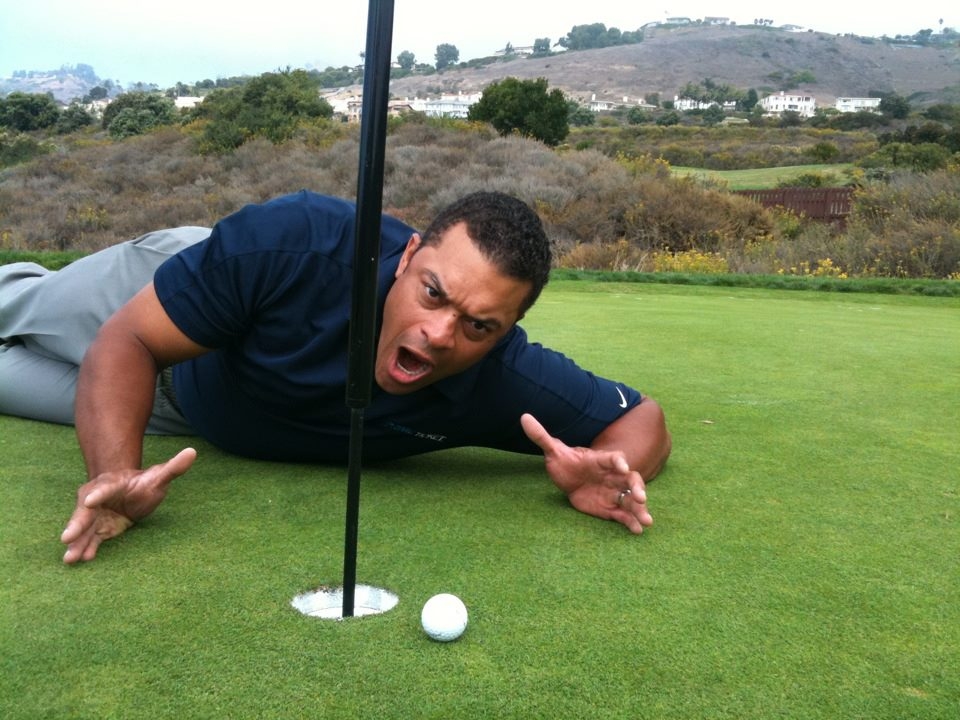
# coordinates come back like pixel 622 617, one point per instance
pixel 623 400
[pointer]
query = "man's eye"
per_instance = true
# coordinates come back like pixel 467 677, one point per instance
pixel 476 329
pixel 431 292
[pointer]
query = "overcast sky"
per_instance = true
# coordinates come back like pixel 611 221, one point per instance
pixel 190 40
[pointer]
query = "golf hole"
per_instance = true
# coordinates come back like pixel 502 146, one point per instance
pixel 327 602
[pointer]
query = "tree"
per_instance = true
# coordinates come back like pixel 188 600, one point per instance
pixel 790 118
pixel 272 106
pixel 446 55
pixel 578 115
pixel 541 46
pixel 524 107
pixel 919 158
pixel 894 106
pixel 73 118
pixel 28 111
pixel 141 112
pixel 671 117
pixel 637 116
pixel 406 60
pixel 586 37
pixel 597 35
pixel 714 115
pixel 824 152
pixel 748 102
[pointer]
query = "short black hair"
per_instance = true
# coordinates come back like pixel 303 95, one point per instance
pixel 507 232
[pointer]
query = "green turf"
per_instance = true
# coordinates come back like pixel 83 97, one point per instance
pixel 760 178
pixel 803 563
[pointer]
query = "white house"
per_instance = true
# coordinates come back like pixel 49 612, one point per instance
pixel 684 103
pixel 805 105
pixel 852 104
pixel 187 102
pixel 448 105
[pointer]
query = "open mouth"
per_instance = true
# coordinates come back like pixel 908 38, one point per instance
pixel 412 366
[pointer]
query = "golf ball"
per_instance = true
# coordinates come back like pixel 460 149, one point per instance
pixel 444 617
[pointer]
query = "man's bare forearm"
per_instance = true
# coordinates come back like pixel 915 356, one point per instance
pixel 642 435
pixel 115 394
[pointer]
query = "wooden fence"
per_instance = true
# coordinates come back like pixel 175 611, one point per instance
pixel 827 204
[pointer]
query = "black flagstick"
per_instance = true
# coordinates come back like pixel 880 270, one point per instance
pixel 363 311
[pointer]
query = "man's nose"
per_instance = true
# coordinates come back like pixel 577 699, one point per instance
pixel 440 328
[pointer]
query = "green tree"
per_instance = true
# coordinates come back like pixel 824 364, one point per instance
pixel 26 112
pixel 525 107
pixel 272 106
pixel 749 101
pixel 714 115
pixel 894 106
pixel 541 46
pixel 73 118
pixel 824 152
pixel 925 157
pixel 585 37
pixel 446 55
pixel 597 35
pixel 406 60
pixel 857 120
pixel 671 117
pixel 578 115
pixel 790 118
pixel 140 111
pixel 637 116
pixel 943 112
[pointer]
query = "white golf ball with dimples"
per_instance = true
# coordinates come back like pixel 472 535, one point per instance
pixel 444 617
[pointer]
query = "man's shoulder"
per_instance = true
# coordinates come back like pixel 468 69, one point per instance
pixel 323 217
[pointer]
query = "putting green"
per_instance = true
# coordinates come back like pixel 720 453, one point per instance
pixel 802 562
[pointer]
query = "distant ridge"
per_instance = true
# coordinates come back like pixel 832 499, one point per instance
pixel 742 56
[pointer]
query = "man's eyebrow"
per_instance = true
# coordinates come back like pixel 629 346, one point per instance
pixel 434 280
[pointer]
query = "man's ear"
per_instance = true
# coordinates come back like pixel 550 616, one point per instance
pixel 413 244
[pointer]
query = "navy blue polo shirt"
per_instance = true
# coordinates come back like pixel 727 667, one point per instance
pixel 270 293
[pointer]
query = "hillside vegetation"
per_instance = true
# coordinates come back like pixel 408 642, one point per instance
pixel 606 191
pixel 621 213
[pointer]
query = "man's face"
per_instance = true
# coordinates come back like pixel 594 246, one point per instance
pixel 447 308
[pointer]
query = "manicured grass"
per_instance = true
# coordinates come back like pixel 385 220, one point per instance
pixel 761 178
pixel 802 564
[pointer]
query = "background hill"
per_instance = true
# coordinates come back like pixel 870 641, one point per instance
pixel 668 58
pixel 741 56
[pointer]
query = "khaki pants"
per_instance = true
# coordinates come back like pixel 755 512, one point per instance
pixel 49 318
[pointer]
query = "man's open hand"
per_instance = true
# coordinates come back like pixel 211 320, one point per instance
pixel 597 482
pixel 110 503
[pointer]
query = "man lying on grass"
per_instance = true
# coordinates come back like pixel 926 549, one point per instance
pixel 239 334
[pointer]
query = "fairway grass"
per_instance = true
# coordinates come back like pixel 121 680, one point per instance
pixel 763 178
pixel 802 564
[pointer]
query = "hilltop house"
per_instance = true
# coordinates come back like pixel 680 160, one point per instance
pixel 682 104
pixel 805 105
pixel 452 106
pixel 852 104
pixel 605 105
pixel 448 105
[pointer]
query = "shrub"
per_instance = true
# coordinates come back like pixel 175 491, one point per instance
pixel 18 148
pixel 690 261
pixel 908 226
pixel 618 256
